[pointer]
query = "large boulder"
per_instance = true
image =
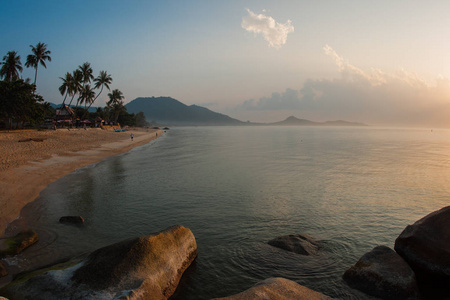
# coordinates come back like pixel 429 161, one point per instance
pixel 383 273
pixel 425 245
pixel 16 244
pixel 148 267
pixel 277 289
pixel 298 243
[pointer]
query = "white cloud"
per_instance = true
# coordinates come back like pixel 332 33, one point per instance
pixel 375 77
pixel 373 96
pixel 273 32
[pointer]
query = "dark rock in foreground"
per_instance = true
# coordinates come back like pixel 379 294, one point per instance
pixel 297 243
pixel 16 244
pixel 383 273
pixel 77 220
pixel 425 246
pixel 3 271
pixel 277 289
pixel 148 267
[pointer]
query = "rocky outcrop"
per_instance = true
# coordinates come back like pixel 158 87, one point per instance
pixel 383 273
pixel 16 244
pixel 3 271
pixel 297 243
pixel 425 245
pixel 76 220
pixel 147 267
pixel 277 289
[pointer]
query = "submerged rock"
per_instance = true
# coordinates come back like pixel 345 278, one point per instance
pixel 16 244
pixel 425 246
pixel 297 243
pixel 77 220
pixel 277 289
pixel 383 273
pixel 147 267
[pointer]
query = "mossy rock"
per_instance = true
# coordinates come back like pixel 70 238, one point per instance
pixel 10 290
pixel 16 244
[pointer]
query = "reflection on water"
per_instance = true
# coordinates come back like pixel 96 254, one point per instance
pixel 237 188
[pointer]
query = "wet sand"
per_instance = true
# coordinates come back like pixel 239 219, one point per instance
pixel 28 166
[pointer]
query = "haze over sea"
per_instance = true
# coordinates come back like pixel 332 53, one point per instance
pixel 352 188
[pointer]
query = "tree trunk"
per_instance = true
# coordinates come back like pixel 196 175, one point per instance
pixel 35 74
pixel 90 104
pixel 62 105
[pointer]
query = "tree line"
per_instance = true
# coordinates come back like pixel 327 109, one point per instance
pixel 20 104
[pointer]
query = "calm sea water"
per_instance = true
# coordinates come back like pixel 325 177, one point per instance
pixel 238 187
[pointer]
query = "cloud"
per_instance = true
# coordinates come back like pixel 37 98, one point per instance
pixel 273 32
pixel 373 96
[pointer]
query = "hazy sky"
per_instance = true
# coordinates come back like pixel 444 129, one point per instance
pixel 378 62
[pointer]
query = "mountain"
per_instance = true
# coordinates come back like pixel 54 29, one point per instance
pixel 166 110
pixel 293 121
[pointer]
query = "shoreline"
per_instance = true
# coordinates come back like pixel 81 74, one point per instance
pixel 23 177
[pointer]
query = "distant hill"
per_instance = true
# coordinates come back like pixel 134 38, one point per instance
pixel 293 121
pixel 56 106
pixel 166 110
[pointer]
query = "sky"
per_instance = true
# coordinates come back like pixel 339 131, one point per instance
pixel 377 62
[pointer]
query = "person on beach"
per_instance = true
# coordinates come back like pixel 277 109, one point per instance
pixel 131 136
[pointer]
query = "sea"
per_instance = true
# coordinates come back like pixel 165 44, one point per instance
pixel 236 188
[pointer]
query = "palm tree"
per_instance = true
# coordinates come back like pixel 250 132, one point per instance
pixel 39 56
pixel 103 79
pixel 11 66
pixel 86 70
pixel 115 97
pixel 116 103
pixel 87 95
pixel 77 79
pixel 66 86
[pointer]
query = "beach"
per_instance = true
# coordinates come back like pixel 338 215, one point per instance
pixel 32 159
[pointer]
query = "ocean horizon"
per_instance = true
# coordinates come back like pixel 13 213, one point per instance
pixel 236 188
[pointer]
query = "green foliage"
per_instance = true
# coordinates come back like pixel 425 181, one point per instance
pixel 126 119
pixel 140 120
pixel 19 103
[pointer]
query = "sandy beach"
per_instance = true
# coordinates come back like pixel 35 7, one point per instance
pixel 41 157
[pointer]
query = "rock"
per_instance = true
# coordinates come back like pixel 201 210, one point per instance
pixel 3 271
pixel 277 289
pixel 425 246
pixel 297 243
pixel 383 273
pixel 16 244
pixel 148 267
pixel 71 220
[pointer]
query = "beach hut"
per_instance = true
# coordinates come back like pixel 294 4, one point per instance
pixel 64 112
